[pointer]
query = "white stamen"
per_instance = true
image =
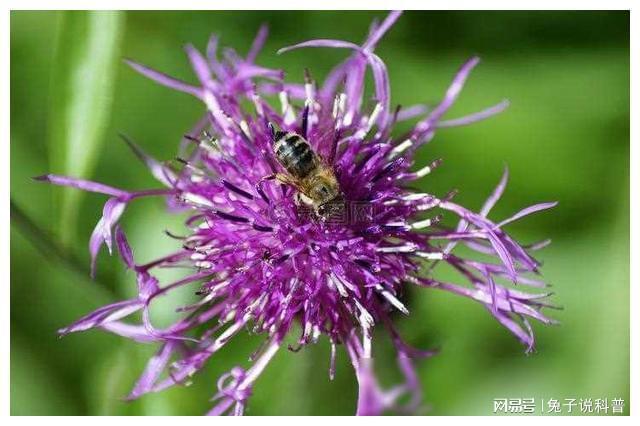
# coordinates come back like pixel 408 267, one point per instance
pixel 348 119
pixel 196 199
pixel 400 223
pixel 284 101
pixel 392 299
pixel 332 362
pixel 287 110
pixel 219 286
pixel 228 117
pixel 212 105
pixel 422 224
pixel 366 345
pixel 307 329
pixel 428 206
pixel 194 169
pixel 245 128
pixel 224 337
pixel 430 256
pixel 247 316
pixel 210 101
pixel 342 103
pixel 208 298
pixel 339 105
pixel 258 105
pixel 209 147
pixel 338 285
pixel 230 316
pixel 416 196
pixel 407 248
pixel 365 318
pixel 347 243
pixel 308 90
pixel 283 313
pixel 334 113
pixel 293 286
pixel 252 307
pixel 401 148
pixel 423 171
pixel 374 116
pixel 259 301
pixel 198 256
pixel 316 333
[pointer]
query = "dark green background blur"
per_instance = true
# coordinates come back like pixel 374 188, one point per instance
pixel 565 137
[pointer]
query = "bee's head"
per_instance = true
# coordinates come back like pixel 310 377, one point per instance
pixel 323 188
pixel 333 209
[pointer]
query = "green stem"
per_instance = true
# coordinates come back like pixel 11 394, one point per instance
pixel 49 248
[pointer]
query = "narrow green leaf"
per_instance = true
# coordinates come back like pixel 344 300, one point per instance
pixel 111 379
pixel 36 389
pixel 83 79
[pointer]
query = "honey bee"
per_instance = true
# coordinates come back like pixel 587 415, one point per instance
pixel 314 180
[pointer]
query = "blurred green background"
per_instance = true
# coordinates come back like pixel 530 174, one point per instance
pixel 565 137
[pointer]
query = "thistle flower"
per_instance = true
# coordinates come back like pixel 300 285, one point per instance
pixel 260 261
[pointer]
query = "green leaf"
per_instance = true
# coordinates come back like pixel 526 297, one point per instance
pixel 36 388
pixel 111 379
pixel 83 79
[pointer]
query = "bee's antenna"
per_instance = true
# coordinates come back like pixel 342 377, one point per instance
pixel 276 134
pixel 305 121
pixel 191 138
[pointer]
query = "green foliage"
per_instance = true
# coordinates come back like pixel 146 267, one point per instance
pixel 83 77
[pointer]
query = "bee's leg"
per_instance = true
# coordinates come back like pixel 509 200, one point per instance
pixel 306 206
pixel 280 177
pixel 305 200
pixel 285 180
pixel 258 187
pixel 264 178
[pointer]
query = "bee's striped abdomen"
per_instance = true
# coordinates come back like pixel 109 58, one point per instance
pixel 295 154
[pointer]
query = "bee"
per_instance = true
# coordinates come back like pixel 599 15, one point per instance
pixel 314 180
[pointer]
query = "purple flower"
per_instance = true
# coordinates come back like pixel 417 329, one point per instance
pixel 259 259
